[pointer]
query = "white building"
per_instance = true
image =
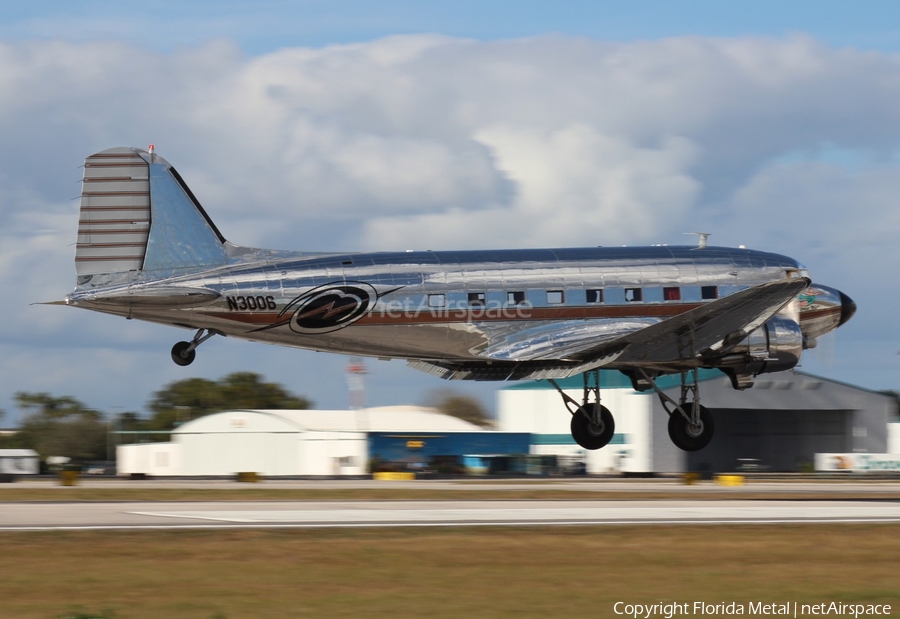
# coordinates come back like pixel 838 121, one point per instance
pixel 279 442
pixel 536 407
pixel 778 425
pixel 19 462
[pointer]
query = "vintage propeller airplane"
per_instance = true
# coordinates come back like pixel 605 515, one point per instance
pixel 147 250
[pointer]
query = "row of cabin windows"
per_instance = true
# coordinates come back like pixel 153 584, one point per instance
pixel 670 293
pixel 593 296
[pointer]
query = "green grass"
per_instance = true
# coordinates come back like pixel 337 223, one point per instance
pixel 438 573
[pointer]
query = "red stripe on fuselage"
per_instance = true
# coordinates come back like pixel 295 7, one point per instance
pixel 511 313
pixel 501 314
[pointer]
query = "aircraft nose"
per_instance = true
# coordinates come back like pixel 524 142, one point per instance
pixel 848 308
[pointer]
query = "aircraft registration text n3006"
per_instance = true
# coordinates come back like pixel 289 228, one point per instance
pixel 236 304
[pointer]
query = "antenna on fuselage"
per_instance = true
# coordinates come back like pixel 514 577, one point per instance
pixel 703 236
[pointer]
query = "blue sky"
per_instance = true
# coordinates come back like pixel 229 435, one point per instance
pixel 386 125
pixel 264 26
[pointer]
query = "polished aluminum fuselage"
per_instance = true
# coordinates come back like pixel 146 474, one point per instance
pixel 423 306
pixel 147 250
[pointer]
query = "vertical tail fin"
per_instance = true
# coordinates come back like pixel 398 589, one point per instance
pixel 137 214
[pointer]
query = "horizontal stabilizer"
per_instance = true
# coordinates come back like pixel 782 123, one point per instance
pixel 156 296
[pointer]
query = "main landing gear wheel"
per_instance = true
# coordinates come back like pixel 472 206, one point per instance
pixel 590 431
pixel 183 353
pixel 691 436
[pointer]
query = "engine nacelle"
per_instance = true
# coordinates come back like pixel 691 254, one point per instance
pixel 776 346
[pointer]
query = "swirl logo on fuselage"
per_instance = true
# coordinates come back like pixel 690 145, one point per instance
pixel 330 307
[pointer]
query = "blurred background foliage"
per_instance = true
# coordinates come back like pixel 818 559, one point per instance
pixel 63 426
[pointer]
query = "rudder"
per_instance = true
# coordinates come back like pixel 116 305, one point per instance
pixel 114 224
pixel 137 214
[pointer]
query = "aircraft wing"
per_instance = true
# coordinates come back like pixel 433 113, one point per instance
pixel 570 340
pixel 709 328
pixel 557 350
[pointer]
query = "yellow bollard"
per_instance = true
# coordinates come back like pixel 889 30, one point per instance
pixel 393 476
pixel 68 478
pixel 729 480
pixel 689 479
pixel 249 477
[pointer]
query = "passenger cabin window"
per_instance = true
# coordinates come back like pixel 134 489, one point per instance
pixel 476 299
pixel 515 298
pixel 672 293
pixel 594 295
pixel 554 297
pixel 633 295
pixel 709 292
pixel 435 300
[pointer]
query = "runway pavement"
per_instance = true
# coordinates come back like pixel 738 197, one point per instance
pixel 325 514
pixel 573 484
pixel 845 500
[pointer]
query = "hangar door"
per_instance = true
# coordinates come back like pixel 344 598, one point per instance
pixel 227 453
pixel 771 440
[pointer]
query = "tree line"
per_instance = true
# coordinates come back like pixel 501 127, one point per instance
pixel 64 426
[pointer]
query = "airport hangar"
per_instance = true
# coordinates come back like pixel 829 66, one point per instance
pixel 315 443
pixel 777 425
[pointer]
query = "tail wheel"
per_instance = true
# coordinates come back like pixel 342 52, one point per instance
pixel 593 431
pixel 183 354
pixel 688 436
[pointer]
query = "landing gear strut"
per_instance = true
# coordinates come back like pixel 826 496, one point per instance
pixel 691 426
pixel 592 424
pixel 184 353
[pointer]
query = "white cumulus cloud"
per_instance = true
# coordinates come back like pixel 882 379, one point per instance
pixel 436 142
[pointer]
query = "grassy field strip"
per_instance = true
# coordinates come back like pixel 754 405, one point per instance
pixel 447 573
